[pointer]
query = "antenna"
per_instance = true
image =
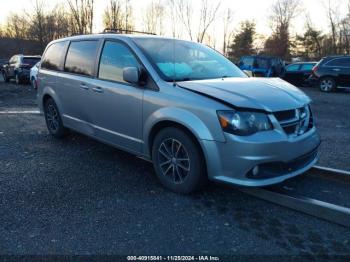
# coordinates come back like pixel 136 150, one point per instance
pixel 174 80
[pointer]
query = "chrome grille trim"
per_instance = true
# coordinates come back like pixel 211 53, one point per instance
pixel 297 125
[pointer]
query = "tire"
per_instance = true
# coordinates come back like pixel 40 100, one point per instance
pixel 180 176
pixel 6 79
pixel 33 83
pixel 53 119
pixel 327 85
pixel 18 79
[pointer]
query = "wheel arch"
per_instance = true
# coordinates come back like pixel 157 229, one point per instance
pixel 170 117
pixel 48 92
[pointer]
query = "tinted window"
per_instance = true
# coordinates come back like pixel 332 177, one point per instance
pixel 31 60
pixel 247 61
pixel 262 63
pixel 54 55
pixel 345 62
pixel 292 68
pixel 81 57
pixel 115 57
pixel 307 67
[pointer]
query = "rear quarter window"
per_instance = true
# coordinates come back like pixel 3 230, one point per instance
pixel 307 67
pixel 81 57
pixel 341 62
pixel 54 55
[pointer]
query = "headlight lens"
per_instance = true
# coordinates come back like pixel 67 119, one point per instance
pixel 243 123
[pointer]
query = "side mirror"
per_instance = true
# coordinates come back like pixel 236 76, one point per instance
pixel 131 75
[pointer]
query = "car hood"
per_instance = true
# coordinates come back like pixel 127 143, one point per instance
pixel 268 94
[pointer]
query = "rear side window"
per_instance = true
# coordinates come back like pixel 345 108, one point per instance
pixel 53 57
pixel 114 58
pixel 30 60
pixel 343 62
pixel 81 57
pixel 292 68
pixel 307 67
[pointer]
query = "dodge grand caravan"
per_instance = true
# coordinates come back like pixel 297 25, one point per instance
pixel 180 104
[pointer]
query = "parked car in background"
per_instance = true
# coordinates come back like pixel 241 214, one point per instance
pixel 195 115
pixel 3 62
pixel 18 68
pixel 331 73
pixel 262 66
pixel 299 73
pixel 34 75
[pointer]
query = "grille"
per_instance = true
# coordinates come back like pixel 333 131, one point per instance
pixel 295 122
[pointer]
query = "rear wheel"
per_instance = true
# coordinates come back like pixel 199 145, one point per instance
pixel 327 84
pixel 53 119
pixel 178 161
pixel 18 79
pixel 33 83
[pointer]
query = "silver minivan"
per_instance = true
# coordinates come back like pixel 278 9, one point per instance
pixel 180 104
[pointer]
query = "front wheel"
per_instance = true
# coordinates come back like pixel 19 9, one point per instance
pixel 178 161
pixel 53 119
pixel 6 79
pixel 327 84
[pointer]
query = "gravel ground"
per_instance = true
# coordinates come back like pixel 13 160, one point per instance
pixel 78 196
pixel 332 113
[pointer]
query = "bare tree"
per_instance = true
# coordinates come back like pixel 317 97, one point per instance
pixel 333 13
pixel 283 12
pixel 82 15
pixel 17 26
pixel 153 17
pixel 184 10
pixel 227 20
pixel 208 14
pixel 113 15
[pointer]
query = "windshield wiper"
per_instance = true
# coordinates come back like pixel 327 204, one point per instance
pixel 183 79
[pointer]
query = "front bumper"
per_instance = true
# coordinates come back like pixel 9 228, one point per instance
pixel 278 157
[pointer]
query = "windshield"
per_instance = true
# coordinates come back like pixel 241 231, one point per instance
pixel 263 63
pixel 183 61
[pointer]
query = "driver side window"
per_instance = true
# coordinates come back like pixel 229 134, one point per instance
pixel 114 58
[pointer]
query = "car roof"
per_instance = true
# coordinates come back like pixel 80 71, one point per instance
pixel 302 63
pixel 262 56
pixel 336 56
pixel 113 35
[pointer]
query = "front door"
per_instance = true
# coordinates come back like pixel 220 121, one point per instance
pixel 292 74
pixel 116 106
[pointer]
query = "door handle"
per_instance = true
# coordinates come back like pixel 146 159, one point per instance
pixel 336 69
pixel 84 86
pixel 97 89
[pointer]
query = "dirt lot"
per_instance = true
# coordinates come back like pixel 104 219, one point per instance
pixel 78 196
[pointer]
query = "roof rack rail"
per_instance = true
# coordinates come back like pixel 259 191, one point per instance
pixel 124 31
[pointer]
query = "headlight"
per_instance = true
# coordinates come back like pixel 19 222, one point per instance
pixel 243 123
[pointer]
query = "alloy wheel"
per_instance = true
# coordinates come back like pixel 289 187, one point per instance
pixel 326 85
pixel 52 117
pixel 174 161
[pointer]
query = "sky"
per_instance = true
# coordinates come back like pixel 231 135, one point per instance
pixel 257 10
